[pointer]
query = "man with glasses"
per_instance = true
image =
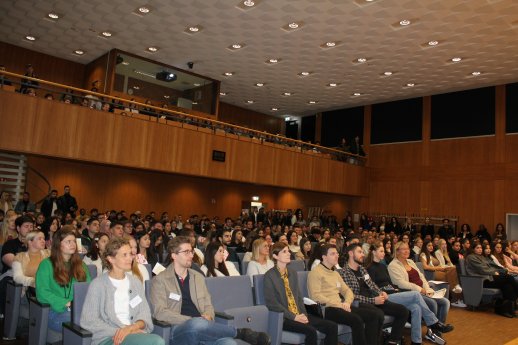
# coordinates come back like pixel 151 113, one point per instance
pixel 180 297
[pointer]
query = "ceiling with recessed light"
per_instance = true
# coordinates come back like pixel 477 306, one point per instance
pixel 408 46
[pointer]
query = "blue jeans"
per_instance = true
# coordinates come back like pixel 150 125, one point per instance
pixel 56 320
pixel 439 306
pixel 198 330
pixel 414 302
pixel 137 339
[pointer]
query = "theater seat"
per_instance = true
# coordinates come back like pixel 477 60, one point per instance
pixel 12 309
pixel 39 333
pixel 473 288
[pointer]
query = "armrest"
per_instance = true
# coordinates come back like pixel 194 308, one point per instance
pixel 275 322
pixel 160 323
pixel 76 329
pixel 162 329
pixel 224 316
pixel 38 303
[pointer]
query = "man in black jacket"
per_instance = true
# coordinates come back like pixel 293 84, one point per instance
pixel 67 203
pixel 50 204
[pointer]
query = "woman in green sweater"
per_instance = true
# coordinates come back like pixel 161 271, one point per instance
pixel 56 276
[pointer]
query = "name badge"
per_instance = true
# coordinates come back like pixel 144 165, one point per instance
pixel 338 285
pixel 366 277
pixel 174 296
pixel 135 301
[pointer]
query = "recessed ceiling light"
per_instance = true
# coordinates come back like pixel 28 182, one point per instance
pixel 194 29
pixel 30 38
pixel 330 44
pixel 248 3
pixel 250 101
pixel 476 73
pixel 222 93
pixel 304 74
pixel 456 59
pixel 273 60
pixel 143 9
pixel 196 84
pixel 228 74
pixel 410 84
pixel 361 60
pixel 357 94
pixel 293 25
pixel 125 63
pixel 236 46
pixel 286 93
pixel 275 109
pixel 387 73
pixel 287 118
pixel 152 49
pixel 166 96
pixel 136 87
pixel 332 84
pixel 433 43
pixel 259 84
pixel 405 22
pixel 53 15
pixel 312 102
pixel 79 52
pixel 106 34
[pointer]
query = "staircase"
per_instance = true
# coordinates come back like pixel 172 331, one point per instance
pixel 13 170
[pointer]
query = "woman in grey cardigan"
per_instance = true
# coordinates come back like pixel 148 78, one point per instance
pixel 115 309
pixel 281 293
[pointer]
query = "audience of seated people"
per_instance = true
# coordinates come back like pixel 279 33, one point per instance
pixel 209 244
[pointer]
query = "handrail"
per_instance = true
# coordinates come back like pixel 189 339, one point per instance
pixel 160 111
pixel 44 179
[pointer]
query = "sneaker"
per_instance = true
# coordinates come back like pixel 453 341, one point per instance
pixel 408 325
pixel 459 304
pixel 457 289
pixel 434 338
pixel 440 327
pixel 253 337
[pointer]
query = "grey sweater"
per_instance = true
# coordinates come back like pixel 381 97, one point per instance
pixel 98 315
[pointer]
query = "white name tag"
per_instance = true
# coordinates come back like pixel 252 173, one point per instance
pixel 174 296
pixel 338 285
pixel 366 277
pixel 135 301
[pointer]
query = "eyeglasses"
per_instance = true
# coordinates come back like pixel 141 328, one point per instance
pixel 186 252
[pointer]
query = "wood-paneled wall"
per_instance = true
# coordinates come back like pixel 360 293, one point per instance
pixel 109 187
pixel 55 129
pixel 249 118
pixel 475 179
pixel 47 67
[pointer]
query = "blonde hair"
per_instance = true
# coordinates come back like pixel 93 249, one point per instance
pixel 256 248
pixel 445 252
pixel 32 234
pixel 398 245
pixel 4 233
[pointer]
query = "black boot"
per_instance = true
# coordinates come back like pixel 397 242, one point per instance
pixel 253 337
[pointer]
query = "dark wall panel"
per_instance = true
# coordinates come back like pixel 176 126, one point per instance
pixel 463 114
pixel 344 123
pixel 511 108
pixel 397 121
pixel 307 131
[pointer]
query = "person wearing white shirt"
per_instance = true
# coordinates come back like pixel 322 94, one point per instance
pixel 215 264
pixel 260 262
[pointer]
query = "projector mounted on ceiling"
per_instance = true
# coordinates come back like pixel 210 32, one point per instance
pixel 166 76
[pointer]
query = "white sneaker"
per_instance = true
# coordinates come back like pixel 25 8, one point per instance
pixel 457 289
pixel 408 325
pixel 459 304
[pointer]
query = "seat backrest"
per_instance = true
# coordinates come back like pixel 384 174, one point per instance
pixel 240 256
pixel 147 289
pixel 244 267
pixel 80 290
pixel 230 292
pixel 259 289
pixel 298 265
pixel 462 266
pixel 93 271
pixel 419 265
pixel 303 283
pixel 149 268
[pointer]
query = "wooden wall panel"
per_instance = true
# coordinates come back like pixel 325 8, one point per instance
pixel 109 187
pixel 463 151
pixel 73 132
pixel 511 148
pixel 394 155
pixel 249 118
pixel 47 67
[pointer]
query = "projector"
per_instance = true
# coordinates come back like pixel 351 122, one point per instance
pixel 166 76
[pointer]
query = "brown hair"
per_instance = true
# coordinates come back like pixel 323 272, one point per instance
pixel 112 248
pixel 62 274
pixel 276 249
pixel 370 258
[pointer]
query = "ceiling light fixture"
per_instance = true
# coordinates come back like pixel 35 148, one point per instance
pixel 275 109
pixel 259 84
pixel 152 49
pixel 361 60
pixel 166 96
pixel 250 101
pixel 106 34
pixel 410 85
pixel 30 38
pixel 332 84
pixel 312 102
pixel 304 73
pixel 357 94
pixel 236 46
pixel 53 15
pixel 125 63
pixel 248 3
pixel 143 9
pixel 194 29
pixel 456 59
pixel 196 84
pixel 273 60
pixel 405 22
pixel 433 43
pixel 286 93
pixel 293 25
pixel 228 74
pixel 79 52
pixel 387 73
pixel 330 44
pixel 476 73
pixel 222 93
pixel 136 87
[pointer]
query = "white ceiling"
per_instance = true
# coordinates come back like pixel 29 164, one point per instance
pixel 483 32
